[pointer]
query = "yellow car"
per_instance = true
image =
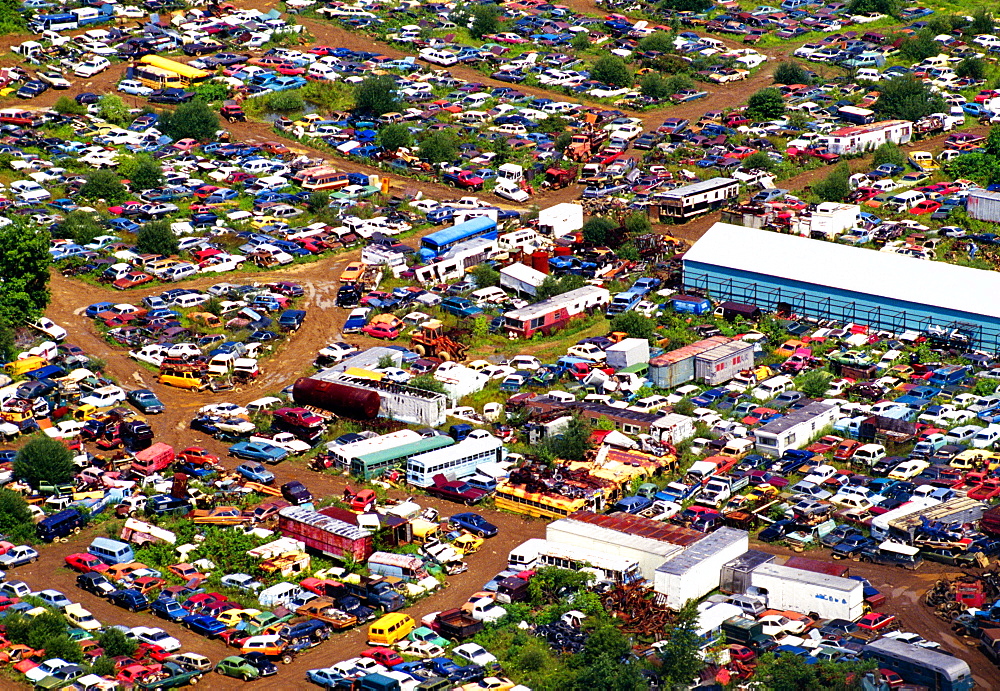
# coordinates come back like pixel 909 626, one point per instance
pixel 467 543
pixel 232 617
pixel 352 272
pixel 489 683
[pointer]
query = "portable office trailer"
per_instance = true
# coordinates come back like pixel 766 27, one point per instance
pixel 672 428
pixel 561 219
pixel 685 202
pixel 677 366
pixel 831 597
pixel 556 312
pixel 521 279
pixel 880 524
pixel 720 364
pixel 735 576
pixel 795 429
pixel 697 571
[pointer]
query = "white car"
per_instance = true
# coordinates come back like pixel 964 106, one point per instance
pixel 528 362
pixel 134 87
pixel 285 440
pixel 183 350
pixel 55 79
pixel 336 352
pixel 104 397
pixel 155 636
pixel 151 354
pixel 587 351
pixel 36 674
pixel 224 410
pixel 49 328
pixel 92 67
pixel 474 654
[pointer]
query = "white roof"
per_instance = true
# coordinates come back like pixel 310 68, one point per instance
pixel 524 274
pixel 879 274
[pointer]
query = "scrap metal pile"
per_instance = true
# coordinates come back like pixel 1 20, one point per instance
pixel 537 478
pixel 968 602
pixel 640 609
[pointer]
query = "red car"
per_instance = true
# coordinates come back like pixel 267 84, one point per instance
pixel 892 679
pixel 381 330
pixel 875 621
pixel 197 455
pixel 741 653
pixel 383 656
pixel 85 563
pixel 925 207
pixel 846 449
pixel 986 95
pixel 131 280
pixel 825 444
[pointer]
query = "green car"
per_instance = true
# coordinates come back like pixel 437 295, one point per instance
pixel 236 666
pixel 428 635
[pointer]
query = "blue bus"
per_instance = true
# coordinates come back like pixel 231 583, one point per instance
pixel 436 244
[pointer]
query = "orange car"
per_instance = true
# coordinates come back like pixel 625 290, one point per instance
pixel 186 571
pixel 352 272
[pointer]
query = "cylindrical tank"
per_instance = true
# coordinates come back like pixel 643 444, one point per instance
pixel 345 401
pixel 540 261
pixel 563 251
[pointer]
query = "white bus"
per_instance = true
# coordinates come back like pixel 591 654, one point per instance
pixel 536 553
pixel 454 462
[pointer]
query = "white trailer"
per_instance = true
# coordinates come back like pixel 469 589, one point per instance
pixel 561 219
pixel 831 597
pixel 697 571
pixel 628 352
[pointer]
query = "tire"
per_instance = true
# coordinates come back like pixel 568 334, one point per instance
pixel 194 680
pixel 286 659
pixel 444 355
pixel 419 350
pixel 481 533
pixel 247 677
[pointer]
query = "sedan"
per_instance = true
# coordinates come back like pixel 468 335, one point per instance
pixel 258 451
pixel 53 598
pixel 255 472
pixel 475 524
pixel 156 636
pixel 146 401
pixel 241 581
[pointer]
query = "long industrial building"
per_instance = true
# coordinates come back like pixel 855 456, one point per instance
pixel 825 280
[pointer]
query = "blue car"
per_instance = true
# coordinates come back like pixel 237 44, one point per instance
pixel 475 524
pixel 93 310
pixel 326 678
pixel 443 666
pixel 258 451
pixel 205 625
pixel 168 608
pixel 255 472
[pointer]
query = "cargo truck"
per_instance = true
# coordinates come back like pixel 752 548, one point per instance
pixel 831 597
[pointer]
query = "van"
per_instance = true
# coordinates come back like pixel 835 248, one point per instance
pixel 111 552
pixel 403 566
pixel 770 388
pixel 183 380
pixel 390 629
pixel 60 525
pixel 19 367
pixel 869 454
pixel 179 272
pixel 893 554
pixel 221 364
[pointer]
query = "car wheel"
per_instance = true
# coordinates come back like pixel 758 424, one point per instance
pixel 247 677
pixel 286 659
pixel 481 533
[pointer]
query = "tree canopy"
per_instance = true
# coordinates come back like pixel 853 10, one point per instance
pixel 766 104
pixel 790 73
pixel 485 20
pixel 377 95
pixel 24 266
pixel 907 98
pixel 44 460
pixel 835 187
pixel 104 185
pixel 634 324
pixel 439 147
pixel 596 230
pixel 193 120
pixel 156 238
pixel 552 286
pixel 142 170
pixel 612 70
pixel 395 136
pixel 889 153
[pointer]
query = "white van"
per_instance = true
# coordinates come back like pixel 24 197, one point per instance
pixel 869 454
pixel 221 364
pixel 904 201
pixel 770 388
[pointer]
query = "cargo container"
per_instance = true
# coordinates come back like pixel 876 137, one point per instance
pixel 691 304
pixel 325 534
pixel 697 571
pixel 831 597
pixel 673 368
pixel 731 310
pixel 628 352
pixel 983 205
pixel 720 364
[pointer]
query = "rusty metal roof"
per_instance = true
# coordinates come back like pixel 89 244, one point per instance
pixel 643 527
pixel 830 568
pixel 688 351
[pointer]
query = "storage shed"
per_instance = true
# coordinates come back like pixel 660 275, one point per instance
pixel 697 571
pixel 720 364
pixel 791 274
pixel 628 352
pixel 677 366
pixel 983 205
pixel 521 279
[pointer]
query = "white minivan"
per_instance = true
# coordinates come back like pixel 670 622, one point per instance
pixel 770 388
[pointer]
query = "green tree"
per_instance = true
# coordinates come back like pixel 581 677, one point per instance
pixel 973 68
pixel 485 20
pixel 485 276
pixel 982 22
pixel 115 643
pixel 759 161
pixel 985 387
pixel 481 327
pixel 684 407
pixel 44 628
pixel 15 518
pixel 68 106
pixel 612 674
pixel 611 70
pixel 814 383
pixel 679 656
pixel 637 223
pixel 572 443
pixel 790 72
pixel 835 187
pixel 628 252
pixel 24 266
pixel 552 124
pixel 563 141
pixel 889 153
pixel 634 324
pixel 377 95
pixel 426 382
pixel 921 46
pixel 597 230
pixel 654 85
pixel 552 585
pixel 992 145
pixel 907 98
pixel 286 101
pixel 679 82
pixel 80 226
pixel 318 201
pixel 581 41
pixel 211 92
pixel 501 147
pixel 8 346
pixel 659 41
pixel 12 17
pixel 766 104
pixel 113 109
pixel 439 147
pixel 552 286
pixel 44 460
pixel 157 238
pixel 193 120
pixel 104 184
pixel 978 167
pixel 888 7
pixel 142 170
pixel 103 666
pixel 63 647
pixel 395 136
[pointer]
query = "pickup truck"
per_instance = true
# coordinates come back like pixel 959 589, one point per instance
pixel 325 610
pixel 454 624
pixel 455 490
pixel 464 179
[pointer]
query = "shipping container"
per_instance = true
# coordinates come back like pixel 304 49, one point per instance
pixel 698 570
pixel 831 597
pixel 721 363
pixel 325 534
pixel 676 367
pixel 983 206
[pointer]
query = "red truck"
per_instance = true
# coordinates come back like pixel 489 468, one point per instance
pixel 157 457
pixel 465 179
pixel 326 534
pixel 298 417
pixel 455 490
